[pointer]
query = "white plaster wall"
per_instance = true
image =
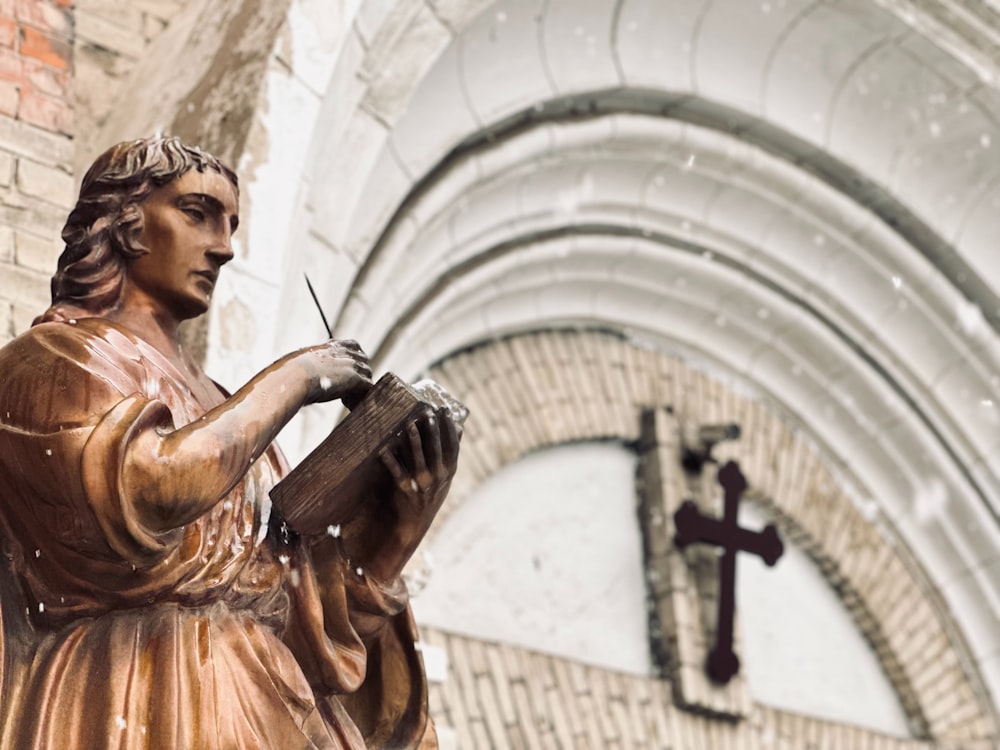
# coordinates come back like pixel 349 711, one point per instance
pixel 547 554
pixel 801 649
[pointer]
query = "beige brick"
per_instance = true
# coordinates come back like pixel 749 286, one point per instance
pixel 39 217
pixel 6 321
pixel 36 253
pixel 46 112
pixel 10 97
pixel 6 245
pixel 40 145
pixel 27 287
pixel 47 79
pixel 111 36
pixel 152 26
pixel 115 12
pixel 48 183
pixel 25 313
pixel 165 9
pixel 49 49
pixel 47 16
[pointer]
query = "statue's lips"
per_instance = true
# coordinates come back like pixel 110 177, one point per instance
pixel 212 276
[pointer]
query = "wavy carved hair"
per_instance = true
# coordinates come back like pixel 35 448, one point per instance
pixel 102 231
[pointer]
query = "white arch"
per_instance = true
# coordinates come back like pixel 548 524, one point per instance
pixel 394 88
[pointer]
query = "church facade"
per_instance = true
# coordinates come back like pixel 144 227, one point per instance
pixel 606 223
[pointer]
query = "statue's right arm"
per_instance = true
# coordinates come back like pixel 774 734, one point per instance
pixel 176 476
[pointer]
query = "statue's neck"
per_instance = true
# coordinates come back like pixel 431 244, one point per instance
pixel 161 332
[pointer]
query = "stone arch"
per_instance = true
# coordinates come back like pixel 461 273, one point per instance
pixel 520 403
pixel 850 321
pixel 399 86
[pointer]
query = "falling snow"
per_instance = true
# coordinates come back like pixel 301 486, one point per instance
pixel 970 318
pixel 930 501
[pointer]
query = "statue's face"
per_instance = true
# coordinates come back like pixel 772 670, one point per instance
pixel 188 226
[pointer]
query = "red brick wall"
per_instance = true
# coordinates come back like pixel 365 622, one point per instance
pixel 36 62
pixel 36 151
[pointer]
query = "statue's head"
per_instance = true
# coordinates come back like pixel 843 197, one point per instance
pixel 102 232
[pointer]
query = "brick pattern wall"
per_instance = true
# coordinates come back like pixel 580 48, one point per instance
pixel 111 37
pixel 62 67
pixel 501 696
pixel 543 389
pixel 36 152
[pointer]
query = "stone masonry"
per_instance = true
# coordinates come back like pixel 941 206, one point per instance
pixel 36 151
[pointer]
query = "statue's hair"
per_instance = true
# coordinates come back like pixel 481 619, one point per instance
pixel 102 231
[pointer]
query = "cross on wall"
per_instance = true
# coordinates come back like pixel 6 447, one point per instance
pixel 693 527
pixel 683 585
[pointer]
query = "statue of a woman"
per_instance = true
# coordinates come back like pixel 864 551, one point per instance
pixel 159 601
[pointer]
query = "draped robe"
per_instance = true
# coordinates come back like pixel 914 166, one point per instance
pixel 224 633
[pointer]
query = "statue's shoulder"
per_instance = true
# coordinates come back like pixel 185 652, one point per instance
pixel 77 341
pixel 74 368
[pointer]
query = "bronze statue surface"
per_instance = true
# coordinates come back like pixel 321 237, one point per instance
pixel 151 596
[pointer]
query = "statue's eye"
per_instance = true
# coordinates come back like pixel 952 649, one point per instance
pixel 195 213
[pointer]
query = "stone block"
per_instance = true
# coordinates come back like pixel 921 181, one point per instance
pixel 653 43
pixel 501 64
pixel 577 46
pixel 26 287
pixel 45 112
pixel 46 16
pixel 109 35
pixel 402 51
pixel 20 211
pixel 125 15
pixel 36 253
pixel 6 168
pixel 6 245
pixel 437 117
pixel 10 65
pixel 8 32
pixel 24 314
pixel 10 97
pixel 458 14
pixel 46 79
pixel 49 49
pixel 42 181
pixel 165 9
pixel 6 321
pixel 152 26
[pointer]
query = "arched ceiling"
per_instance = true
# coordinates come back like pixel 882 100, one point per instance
pixel 802 193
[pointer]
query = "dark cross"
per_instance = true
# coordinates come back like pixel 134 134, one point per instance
pixel 693 527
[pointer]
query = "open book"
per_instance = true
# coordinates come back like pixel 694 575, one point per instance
pixel 331 483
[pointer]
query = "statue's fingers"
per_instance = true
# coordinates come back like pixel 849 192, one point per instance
pixel 396 470
pixel 432 445
pixel 349 349
pixel 416 449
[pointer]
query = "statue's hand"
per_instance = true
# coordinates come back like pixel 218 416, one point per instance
pixel 422 467
pixel 335 369
pixel 422 461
